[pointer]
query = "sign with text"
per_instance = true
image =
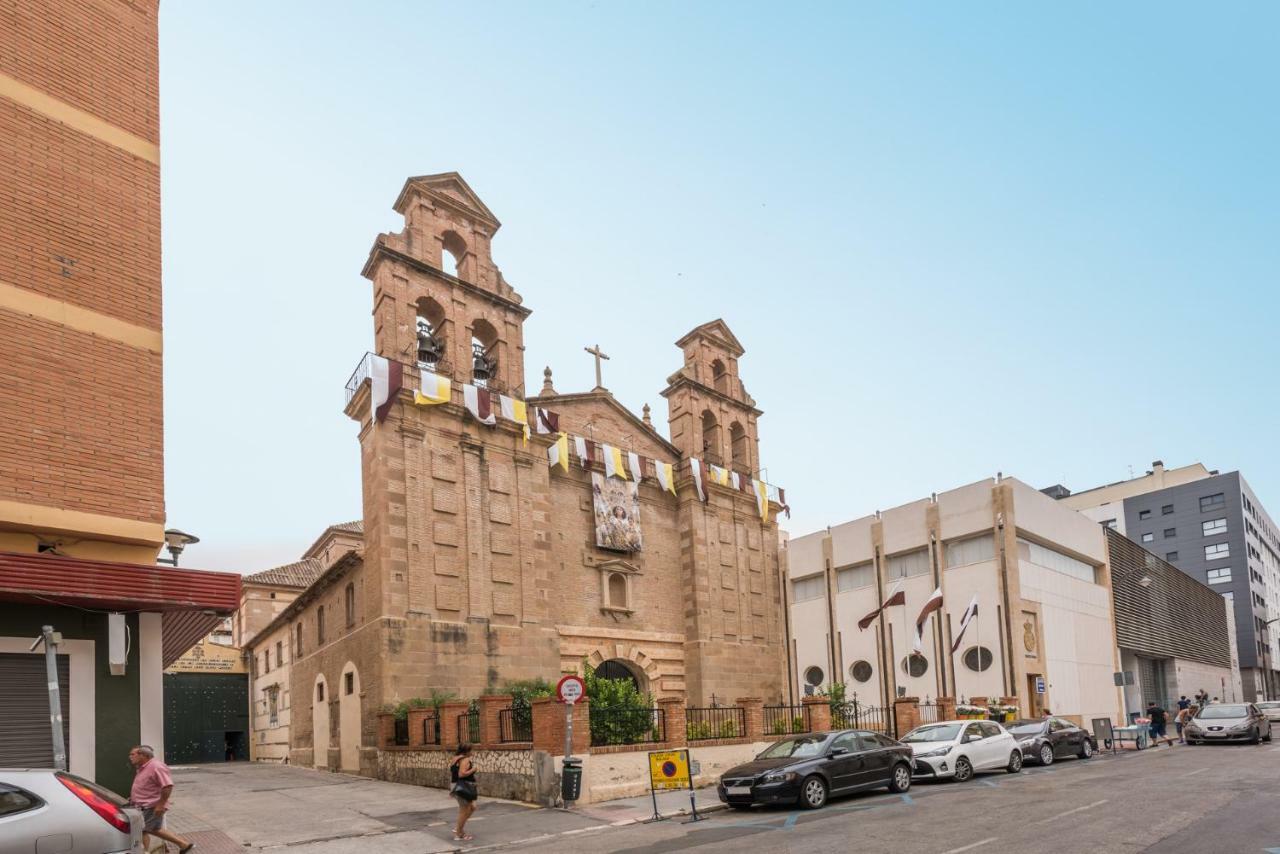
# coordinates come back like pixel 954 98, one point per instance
pixel 669 769
pixel 1039 684
pixel 570 689
pixel 209 657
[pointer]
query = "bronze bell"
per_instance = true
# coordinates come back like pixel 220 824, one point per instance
pixel 482 365
pixel 429 348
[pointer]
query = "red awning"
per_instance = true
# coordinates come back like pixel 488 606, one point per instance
pixel 193 601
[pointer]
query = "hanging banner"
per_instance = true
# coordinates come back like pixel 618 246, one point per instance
pixel 666 475
pixel 617 513
pixel 558 453
pixel 695 468
pixel 433 389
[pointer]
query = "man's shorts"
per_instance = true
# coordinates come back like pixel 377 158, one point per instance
pixel 151 821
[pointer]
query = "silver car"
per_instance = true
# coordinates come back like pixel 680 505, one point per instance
pixel 44 810
pixel 1271 709
pixel 1228 722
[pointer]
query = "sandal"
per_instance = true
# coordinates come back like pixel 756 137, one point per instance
pixel 466 837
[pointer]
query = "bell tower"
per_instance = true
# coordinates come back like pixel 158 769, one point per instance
pixel 711 416
pixel 439 301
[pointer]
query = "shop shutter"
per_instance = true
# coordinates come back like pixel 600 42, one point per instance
pixel 25 740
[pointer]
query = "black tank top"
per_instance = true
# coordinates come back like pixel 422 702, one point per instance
pixel 456 767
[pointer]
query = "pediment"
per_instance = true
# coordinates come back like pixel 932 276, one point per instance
pixel 718 332
pixel 618 565
pixel 598 415
pixel 450 189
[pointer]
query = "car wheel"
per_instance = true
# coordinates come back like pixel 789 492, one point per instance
pixel 813 793
pixel 901 779
pixel 964 770
pixel 1046 754
pixel 1267 737
pixel 1015 762
pixel 1254 738
pixel 1086 749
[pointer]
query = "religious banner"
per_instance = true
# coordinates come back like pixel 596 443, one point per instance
pixel 479 404
pixel 695 469
pixel 558 453
pixel 617 513
pixel 386 380
pixel 665 473
pixel 433 389
pixel 634 464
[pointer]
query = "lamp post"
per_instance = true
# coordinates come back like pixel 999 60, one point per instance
pixel 175 541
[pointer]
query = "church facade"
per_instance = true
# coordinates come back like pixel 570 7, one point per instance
pixel 481 562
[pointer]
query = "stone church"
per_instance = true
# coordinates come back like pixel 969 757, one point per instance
pixel 480 560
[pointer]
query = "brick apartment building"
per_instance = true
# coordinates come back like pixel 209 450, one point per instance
pixel 479 562
pixel 82 513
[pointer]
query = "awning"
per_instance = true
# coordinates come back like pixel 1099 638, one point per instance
pixel 193 601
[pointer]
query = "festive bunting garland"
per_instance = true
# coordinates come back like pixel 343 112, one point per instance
pixel 435 389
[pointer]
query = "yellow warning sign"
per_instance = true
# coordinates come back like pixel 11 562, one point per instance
pixel 669 769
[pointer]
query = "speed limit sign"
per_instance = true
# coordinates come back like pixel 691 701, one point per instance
pixel 570 689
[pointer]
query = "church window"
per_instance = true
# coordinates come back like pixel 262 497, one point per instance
pixel 738 447
pixel 429 331
pixel 711 437
pixel 813 676
pixel 452 255
pixel 351 605
pixel 915 665
pixel 297 642
pixel 719 377
pixel 484 353
pixel 618 591
pixel 320 625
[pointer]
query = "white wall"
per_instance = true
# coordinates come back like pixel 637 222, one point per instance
pixel 623 775
pixel 809 628
pixel 1049 520
pixel 959 586
pixel 804 554
pixel 151 681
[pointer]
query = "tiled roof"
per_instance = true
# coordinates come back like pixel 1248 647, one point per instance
pixel 300 574
pixel 356 527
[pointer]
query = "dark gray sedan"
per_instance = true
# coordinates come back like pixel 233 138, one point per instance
pixel 1228 722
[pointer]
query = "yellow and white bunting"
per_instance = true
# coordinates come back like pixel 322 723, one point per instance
pixel 434 389
pixel 558 453
pixel 666 476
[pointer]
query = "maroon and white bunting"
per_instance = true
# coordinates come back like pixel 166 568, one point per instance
pixel 695 468
pixel 545 421
pixel 479 404
pixel 387 378
pixel 897 597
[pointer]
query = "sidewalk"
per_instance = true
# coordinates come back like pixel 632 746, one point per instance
pixel 257 807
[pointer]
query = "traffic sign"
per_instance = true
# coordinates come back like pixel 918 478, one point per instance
pixel 669 769
pixel 570 689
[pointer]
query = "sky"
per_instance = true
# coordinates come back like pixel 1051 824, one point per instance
pixel 954 239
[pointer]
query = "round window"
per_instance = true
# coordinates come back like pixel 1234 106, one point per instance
pixel 977 658
pixel 813 676
pixel 861 671
pixel 915 664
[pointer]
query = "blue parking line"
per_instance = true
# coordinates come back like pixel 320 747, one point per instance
pixel 907 799
pixel 990 783
pixel 791 821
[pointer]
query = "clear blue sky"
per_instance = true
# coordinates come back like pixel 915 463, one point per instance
pixel 954 238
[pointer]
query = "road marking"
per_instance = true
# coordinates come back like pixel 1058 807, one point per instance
pixel 1193 773
pixel 989 783
pixel 1071 812
pixel 791 821
pixel 971 847
pixel 907 799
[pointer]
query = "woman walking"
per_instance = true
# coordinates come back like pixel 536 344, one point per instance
pixel 462 775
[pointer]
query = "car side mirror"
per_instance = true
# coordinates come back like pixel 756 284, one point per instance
pixel 967 739
pixel 838 751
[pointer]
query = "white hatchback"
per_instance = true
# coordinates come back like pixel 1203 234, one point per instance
pixel 956 749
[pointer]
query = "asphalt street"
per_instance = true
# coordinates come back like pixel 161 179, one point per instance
pixel 1214 798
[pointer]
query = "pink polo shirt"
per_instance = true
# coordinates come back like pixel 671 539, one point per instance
pixel 148 781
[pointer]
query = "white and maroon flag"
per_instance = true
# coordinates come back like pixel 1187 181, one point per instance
pixel 386 380
pixel 897 597
pixel 969 614
pixel 934 603
pixel 479 403
pixel 695 468
pixel 633 463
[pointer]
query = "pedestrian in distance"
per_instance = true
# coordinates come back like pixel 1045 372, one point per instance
pixel 152 788
pixel 1158 717
pixel 462 776
pixel 1185 714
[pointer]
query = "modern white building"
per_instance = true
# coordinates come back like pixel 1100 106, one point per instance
pixel 1044 635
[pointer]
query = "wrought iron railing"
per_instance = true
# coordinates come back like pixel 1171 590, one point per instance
pixel 469 726
pixel 401 737
pixel 928 712
pixel 715 722
pixel 515 724
pixel 858 715
pixel 785 720
pixel 622 725
pixel 431 728
pixel 363 371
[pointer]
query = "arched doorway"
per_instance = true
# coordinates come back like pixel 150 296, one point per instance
pixel 320 724
pixel 349 719
pixel 615 668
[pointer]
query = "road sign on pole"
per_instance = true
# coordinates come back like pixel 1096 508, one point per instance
pixel 570 689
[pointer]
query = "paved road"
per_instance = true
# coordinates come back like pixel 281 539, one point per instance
pixel 1220 799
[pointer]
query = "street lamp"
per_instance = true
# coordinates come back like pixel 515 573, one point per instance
pixel 175 541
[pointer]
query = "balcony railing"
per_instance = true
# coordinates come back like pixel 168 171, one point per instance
pixel 363 371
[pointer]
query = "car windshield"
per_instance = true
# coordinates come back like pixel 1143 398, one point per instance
pixel 1213 712
pixel 1024 727
pixel 937 732
pixel 1268 705
pixel 809 745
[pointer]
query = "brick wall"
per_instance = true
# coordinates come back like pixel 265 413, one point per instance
pixel 80 224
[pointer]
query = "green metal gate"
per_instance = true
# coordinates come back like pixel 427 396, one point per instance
pixel 206 717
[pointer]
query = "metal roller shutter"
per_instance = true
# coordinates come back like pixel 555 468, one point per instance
pixel 25 741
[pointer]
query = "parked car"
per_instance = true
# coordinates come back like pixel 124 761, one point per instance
pixel 1048 739
pixel 808 769
pixel 1271 709
pixel 1228 722
pixel 956 749
pixel 52 810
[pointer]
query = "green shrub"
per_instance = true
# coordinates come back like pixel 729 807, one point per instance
pixel 779 727
pixel 524 691
pixel 729 728
pixel 619 713
pixel 697 730
pixel 797 724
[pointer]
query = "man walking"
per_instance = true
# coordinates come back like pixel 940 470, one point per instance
pixel 1158 718
pixel 152 786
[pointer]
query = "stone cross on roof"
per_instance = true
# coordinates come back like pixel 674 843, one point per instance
pixel 595 351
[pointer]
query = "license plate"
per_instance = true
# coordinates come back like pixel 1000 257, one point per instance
pixel 737 790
